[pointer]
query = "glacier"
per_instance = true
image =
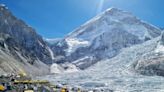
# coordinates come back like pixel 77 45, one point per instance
pixel 117 74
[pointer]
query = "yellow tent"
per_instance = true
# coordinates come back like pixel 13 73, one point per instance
pixel 22 73
pixel 31 82
pixel 28 91
pixel 2 88
pixel 63 89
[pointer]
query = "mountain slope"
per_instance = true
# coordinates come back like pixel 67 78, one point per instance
pixel 21 45
pixel 103 37
pixel 152 63
pixel 120 73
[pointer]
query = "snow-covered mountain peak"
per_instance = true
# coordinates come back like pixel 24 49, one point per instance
pixel 106 33
pixel 52 40
pixel 3 6
pixel 113 19
pixel 113 10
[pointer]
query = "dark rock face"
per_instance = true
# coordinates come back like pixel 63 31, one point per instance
pixel 152 63
pixel 152 66
pixel 162 39
pixel 17 37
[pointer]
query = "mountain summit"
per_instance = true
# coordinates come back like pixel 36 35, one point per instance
pixel 103 37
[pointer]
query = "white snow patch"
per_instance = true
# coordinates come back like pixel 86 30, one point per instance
pixel 51 53
pixel 40 43
pixel 6 22
pixel 160 48
pixel 137 30
pixel 53 40
pixel 3 5
pixel 56 69
pixel 71 68
pixel 74 43
pixel 81 59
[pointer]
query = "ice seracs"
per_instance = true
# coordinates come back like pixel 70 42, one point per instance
pixel 64 68
pixel 73 44
pixel 160 48
pixel 71 68
pixel 56 69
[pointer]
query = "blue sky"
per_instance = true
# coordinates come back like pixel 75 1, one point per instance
pixel 56 18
